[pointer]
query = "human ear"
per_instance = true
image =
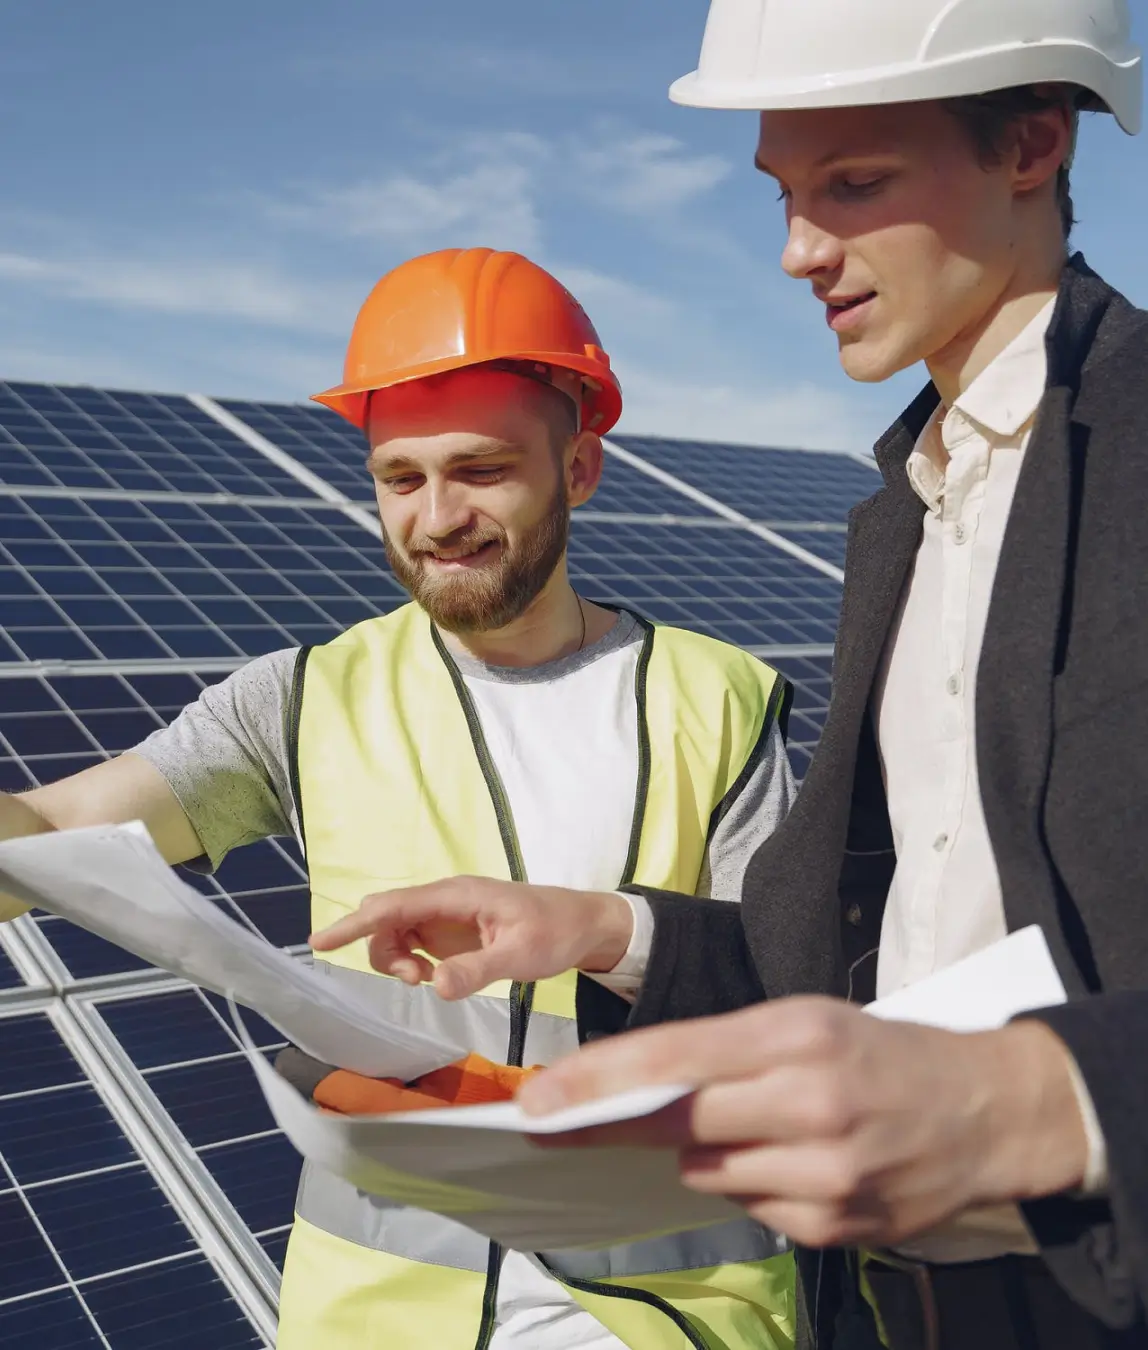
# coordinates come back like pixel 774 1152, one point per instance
pixel 583 466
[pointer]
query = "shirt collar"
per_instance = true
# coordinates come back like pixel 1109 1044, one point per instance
pixel 999 402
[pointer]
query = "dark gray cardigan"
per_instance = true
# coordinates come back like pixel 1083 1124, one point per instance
pixel 1062 745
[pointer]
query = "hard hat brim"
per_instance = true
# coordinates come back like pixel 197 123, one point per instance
pixel 349 400
pixel 1117 89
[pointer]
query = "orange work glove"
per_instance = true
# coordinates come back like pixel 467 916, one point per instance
pixel 466 1082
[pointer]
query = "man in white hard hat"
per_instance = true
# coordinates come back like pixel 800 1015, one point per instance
pixel 984 765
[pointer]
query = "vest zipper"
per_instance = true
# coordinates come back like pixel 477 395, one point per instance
pixel 522 994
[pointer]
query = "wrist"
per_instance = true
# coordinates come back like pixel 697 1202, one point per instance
pixel 1037 1135
pixel 613 927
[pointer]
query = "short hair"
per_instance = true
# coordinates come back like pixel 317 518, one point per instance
pixel 988 118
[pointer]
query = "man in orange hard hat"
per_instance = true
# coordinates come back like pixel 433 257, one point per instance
pixel 500 725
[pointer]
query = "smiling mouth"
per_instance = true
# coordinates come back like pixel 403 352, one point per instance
pixel 844 306
pixel 462 556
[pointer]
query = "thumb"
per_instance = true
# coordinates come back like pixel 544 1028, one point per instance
pixel 460 976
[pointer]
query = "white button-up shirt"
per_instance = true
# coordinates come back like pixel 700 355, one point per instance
pixel 945 901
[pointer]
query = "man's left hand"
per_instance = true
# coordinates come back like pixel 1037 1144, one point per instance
pixel 838 1128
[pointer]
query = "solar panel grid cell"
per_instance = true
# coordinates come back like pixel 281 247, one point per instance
pixel 87 1236
pixel 771 485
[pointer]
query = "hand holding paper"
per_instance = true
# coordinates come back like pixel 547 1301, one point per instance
pixel 842 1126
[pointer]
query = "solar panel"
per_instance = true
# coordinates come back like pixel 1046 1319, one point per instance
pixel 92 438
pixel 770 485
pixel 182 1047
pixel 145 551
pixel 147 580
pixel 811 678
pixel 725 583
pixel 93 1251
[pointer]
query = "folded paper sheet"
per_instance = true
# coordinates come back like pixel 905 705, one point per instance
pixel 475 1164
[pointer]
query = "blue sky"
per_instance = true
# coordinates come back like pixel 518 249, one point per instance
pixel 199 196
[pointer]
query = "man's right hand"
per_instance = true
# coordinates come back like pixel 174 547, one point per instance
pixel 481 931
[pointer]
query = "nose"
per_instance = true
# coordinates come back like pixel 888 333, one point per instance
pixel 445 509
pixel 809 249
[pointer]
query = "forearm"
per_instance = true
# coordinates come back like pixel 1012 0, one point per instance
pixel 18 819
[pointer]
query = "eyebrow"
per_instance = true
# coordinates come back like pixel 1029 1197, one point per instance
pixel 377 462
pixel 833 157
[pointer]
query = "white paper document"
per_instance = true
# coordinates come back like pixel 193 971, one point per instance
pixel 475 1164
pixel 112 881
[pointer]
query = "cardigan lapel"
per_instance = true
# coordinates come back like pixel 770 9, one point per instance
pixel 1024 629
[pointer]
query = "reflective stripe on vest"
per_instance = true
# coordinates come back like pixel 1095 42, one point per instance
pixel 394 787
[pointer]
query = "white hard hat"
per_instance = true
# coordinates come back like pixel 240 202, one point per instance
pixel 846 53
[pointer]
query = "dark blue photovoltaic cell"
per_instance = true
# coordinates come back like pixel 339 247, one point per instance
pixel 772 485
pixel 182 1044
pixel 32 1056
pixel 77 1205
pixel 57 1320
pixel 130 580
pixel 182 1306
pixel 811 678
pixel 727 584
pixel 9 975
pixel 827 544
pixel 77 437
pixel 275 1245
pixel 259 1177
pixel 70 1129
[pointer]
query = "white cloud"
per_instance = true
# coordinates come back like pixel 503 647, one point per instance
pixel 646 174
pixel 479 190
pixel 493 188
pixel 248 291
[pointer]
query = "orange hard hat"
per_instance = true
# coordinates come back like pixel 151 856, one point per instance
pixel 468 307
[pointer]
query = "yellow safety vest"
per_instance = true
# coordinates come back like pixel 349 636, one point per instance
pixel 394 786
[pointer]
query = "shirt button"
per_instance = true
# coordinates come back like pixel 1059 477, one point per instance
pixel 940 842
pixel 960 534
pixel 953 684
pixel 853 915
